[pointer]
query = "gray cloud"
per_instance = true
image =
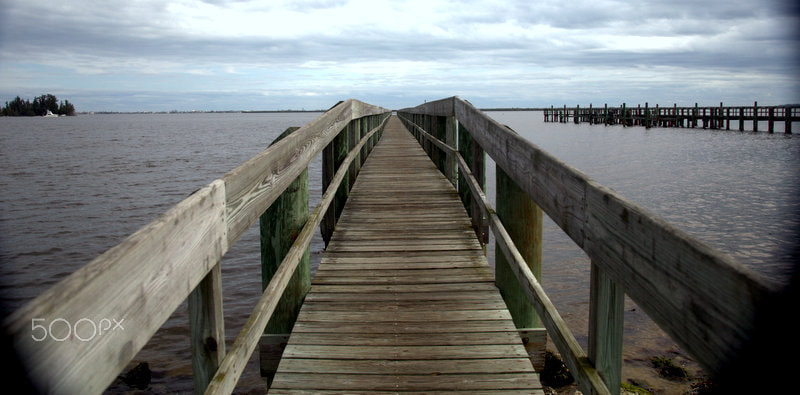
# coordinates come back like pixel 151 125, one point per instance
pixel 582 48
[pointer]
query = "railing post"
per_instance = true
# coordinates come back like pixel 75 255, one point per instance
pixel 522 218
pixel 352 171
pixel 450 139
pixel 207 327
pixel 606 311
pixel 341 147
pixel 328 170
pixel 476 160
pixel 332 157
pixel 362 131
pixel 440 132
pixel 280 225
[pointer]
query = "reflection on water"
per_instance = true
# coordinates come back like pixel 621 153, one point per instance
pixel 70 188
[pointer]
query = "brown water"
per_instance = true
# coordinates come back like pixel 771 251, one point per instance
pixel 70 188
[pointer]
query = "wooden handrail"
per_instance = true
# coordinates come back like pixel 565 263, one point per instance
pixel 563 338
pixel 702 298
pixel 77 336
pixel 232 366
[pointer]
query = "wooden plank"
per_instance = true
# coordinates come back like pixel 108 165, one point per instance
pixel 522 219
pixel 279 226
pixel 231 368
pixel 407 339
pixel 586 375
pixel 405 293
pixel 426 352
pixel 519 381
pixel 207 328
pixel 402 367
pixel 466 296
pixel 136 284
pixel 372 271
pixel 705 300
pixel 255 184
pixel 667 272
pixel 606 313
pixel 406 327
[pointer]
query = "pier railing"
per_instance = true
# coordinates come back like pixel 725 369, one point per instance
pixel 702 298
pixel 689 117
pixel 80 334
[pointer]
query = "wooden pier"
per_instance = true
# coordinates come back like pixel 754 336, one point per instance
pixel 403 300
pixel 679 117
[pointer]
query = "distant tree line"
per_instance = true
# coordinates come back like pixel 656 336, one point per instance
pixel 39 106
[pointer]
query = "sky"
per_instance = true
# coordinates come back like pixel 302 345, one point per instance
pixel 309 54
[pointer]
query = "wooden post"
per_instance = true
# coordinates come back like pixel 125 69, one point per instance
pixel 328 170
pixel 576 118
pixel 755 116
pixel 647 115
pixel 623 115
pixel 207 327
pixel 332 157
pixel 771 119
pixel 741 119
pixel 476 160
pixel 678 119
pixel 606 312
pixel 522 218
pixel 363 132
pixel 450 139
pixel 352 140
pixel 280 225
pixel 728 118
pixel 440 132
pixel 605 114
pixel 787 119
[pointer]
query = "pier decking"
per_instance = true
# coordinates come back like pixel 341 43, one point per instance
pixel 404 298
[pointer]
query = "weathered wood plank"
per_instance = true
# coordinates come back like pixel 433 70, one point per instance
pixel 402 367
pixel 407 339
pixel 207 328
pixel 606 312
pixel 405 287
pixel 254 185
pixel 704 299
pixel 407 327
pixel 519 381
pixel 425 352
pixel 231 368
pixel 136 284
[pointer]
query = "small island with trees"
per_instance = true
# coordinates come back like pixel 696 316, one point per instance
pixel 41 106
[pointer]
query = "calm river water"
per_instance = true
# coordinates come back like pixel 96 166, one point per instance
pixel 70 188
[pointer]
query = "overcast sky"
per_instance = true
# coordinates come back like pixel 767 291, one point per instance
pixel 243 55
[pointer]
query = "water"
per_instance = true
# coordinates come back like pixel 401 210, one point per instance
pixel 70 188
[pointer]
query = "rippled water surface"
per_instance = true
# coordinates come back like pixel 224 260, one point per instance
pixel 70 188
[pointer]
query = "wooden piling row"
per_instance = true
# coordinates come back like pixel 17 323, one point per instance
pixel 679 117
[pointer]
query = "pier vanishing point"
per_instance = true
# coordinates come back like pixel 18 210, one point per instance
pixel 404 299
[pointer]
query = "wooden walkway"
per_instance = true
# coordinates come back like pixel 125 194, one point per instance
pixel 404 299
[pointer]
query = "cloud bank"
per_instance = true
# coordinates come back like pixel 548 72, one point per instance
pixel 230 55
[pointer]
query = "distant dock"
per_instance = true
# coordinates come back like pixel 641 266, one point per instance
pixel 679 117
